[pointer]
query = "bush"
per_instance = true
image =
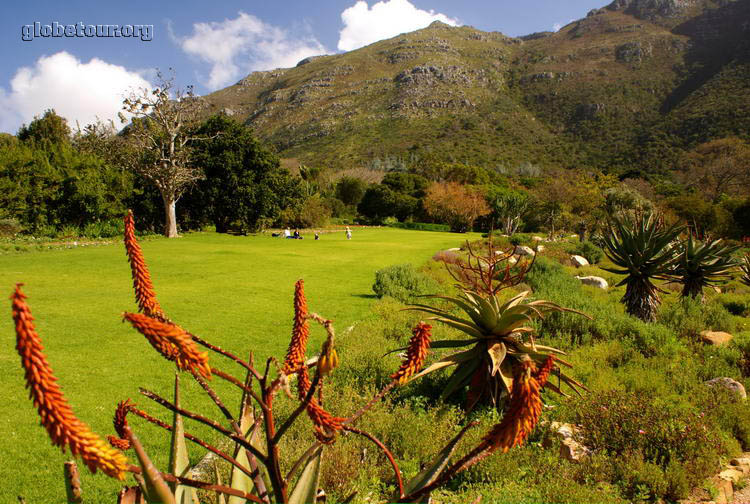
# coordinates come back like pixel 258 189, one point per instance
pixel 688 317
pixel 104 229
pixel 587 249
pixel 418 226
pixel 10 227
pixel 402 282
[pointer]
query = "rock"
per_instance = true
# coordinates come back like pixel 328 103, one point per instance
pixel 725 489
pixel 740 461
pixel 454 249
pixel 732 475
pixel 512 260
pixel 537 238
pixel 729 384
pixel 540 248
pixel 716 338
pixel 579 261
pixel 573 451
pixel 523 250
pixel 594 281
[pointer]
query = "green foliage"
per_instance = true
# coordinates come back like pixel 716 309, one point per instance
pixel 587 249
pixel 380 201
pixel 650 442
pixel 687 317
pixel 402 282
pixel 420 226
pixel 46 131
pixel 244 187
pixel 350 190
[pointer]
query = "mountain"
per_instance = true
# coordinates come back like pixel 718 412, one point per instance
pixel 625 89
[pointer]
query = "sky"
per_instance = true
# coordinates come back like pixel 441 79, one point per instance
pixel 82 58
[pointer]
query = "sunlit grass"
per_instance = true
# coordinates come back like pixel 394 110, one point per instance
pixel 234 291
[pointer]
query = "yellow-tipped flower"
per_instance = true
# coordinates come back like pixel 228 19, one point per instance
pixel 57 417
pixel 416 354
pixel 172 341
pixel 523 413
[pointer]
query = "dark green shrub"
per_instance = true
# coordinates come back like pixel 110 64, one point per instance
pixel 420 226
pixel 402 282
pixel 10 227
pixel 104 229
pixel 587 249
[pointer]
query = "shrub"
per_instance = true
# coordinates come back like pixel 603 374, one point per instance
pixel 10 227
pixel 419 226
pixel 103 229
pixel 402 282
pixel 687 317
pixel 587 249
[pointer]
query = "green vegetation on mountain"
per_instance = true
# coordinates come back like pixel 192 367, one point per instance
pixel 626 89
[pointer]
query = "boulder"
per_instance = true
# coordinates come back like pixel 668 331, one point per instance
pixel 540 248
pixel 523 250
pixel 454 249
pixel 732 475
pixel 716 338
pixel 729 384
pixel 573 451
pixel 537 238
pixel 579 261
pixel 594 281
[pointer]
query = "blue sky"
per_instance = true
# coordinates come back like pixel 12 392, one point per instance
pixel 211 44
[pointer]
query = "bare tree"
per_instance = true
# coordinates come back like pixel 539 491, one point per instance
pixel 718 167
pixel 160 130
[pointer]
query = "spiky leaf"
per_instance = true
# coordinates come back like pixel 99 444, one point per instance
pixel 306 488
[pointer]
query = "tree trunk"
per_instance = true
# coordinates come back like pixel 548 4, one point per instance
pixel 170 217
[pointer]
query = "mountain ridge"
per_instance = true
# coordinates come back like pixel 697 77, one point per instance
pixel 627 88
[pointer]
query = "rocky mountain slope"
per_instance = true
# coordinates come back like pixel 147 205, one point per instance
pixel 625 89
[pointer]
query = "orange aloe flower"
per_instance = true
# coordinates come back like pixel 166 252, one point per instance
pixel 57 417
pixel 523 413
pixel 172 341
pixel 144 289
pixel 325 424
pixel 295 355
pixel 415 354
pixel 120 421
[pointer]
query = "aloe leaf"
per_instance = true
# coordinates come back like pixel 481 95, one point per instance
pixel 306 488
pixel 452 343
pixel 156 489
pixel 451 360
pixel 497 354
pixel 506 373
pixel 460 377
pixel 220 496
pixel 435 467
pixel 469 329
pixel 179 462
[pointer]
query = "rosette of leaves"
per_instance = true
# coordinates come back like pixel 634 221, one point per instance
pixel 642 250
pixel 498 337
pixel 745 268
pixel 703 264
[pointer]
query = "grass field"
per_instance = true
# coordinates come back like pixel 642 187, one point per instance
pixel 233 291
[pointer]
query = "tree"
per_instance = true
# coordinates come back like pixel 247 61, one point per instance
pixel 350 190
pixel 50 129
pixel 507 207
pixel 244 186
pixel 718 167
pixel 455 204
pixel 160 130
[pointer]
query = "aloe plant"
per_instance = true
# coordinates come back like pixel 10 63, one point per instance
pixel 498 338
pixel 703 264
pixel 642 250
pixel 745 268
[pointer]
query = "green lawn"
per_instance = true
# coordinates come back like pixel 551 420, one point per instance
pixel 233 291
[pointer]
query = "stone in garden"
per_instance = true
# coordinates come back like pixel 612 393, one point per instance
pixel 573 451
pixel 594 281
pixel 740 461
pixel 579 261
pixel 455 249
pixel 537 238
pixel 523 250
pixel 540 248
pixel 512 260
pixel 729 384
pixel 716 338
pixel 731 475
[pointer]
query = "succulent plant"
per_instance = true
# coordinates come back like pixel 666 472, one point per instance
pixel 642 249
pixel 703 264
pixel 498 338
pixel 745 268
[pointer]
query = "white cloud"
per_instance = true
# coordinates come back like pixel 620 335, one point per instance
pixel 364 25
pixel 236 47
pixel 77 91
pixel 556 27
